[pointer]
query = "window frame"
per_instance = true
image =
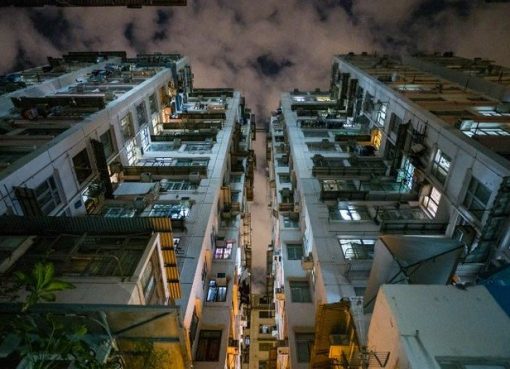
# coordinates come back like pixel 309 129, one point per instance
pixel 297 248
pixel 211 343
pixel 215 292
pixel 49 195
pixel 83 173
pixel 441 165
pixel 300 291
pixel 471 197
pixel 431 201
pixel 304 346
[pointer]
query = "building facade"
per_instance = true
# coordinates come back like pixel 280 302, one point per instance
pixel 393 148
pixel 133 184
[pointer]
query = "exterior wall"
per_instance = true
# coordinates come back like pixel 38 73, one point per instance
pixel 416 337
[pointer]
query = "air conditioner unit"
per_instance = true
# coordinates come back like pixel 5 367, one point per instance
pixel 221 279
pixel 307 262
pixel 279 294
pixel 139 203
pixel 194 178
pixel 146 177
pixel 283 350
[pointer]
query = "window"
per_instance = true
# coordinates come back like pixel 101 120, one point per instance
pixel 431 201
pixel 131 152
pixel 265 346
pixel 209 343
pixel 126 127
pixel 381 115
pixel 304 346
pixel 395 122
pixel 284 178
pixel 141 113
pixel 477 197
pixel 406 174
pixel 290 221
pixel 266 314
pixel 300 291
pixel 216 293
pixel 357 249
pixel 223 249
pixel 153 104
pixel 263 364
pixel 145 139
pixel 294 251
pixel 82 166
pixel 148 282
pixel 193 327
pixel 348 212
pixel 440 166
pixel 473 363
pixel 107 141
pixel 47 195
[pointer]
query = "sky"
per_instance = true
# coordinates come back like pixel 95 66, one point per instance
pixel 260 47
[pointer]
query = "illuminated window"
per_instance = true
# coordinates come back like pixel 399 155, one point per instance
pixel 381 115
pixel 223 249
pixel 431 201
pixel 441 166
pixel 216 293
pixel 348 212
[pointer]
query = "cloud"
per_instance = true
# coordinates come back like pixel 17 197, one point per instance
pixel 259 48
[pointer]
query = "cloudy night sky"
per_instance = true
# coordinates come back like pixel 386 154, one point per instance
pixel 260 47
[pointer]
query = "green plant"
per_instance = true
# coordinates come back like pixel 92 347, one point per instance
pixel 40 284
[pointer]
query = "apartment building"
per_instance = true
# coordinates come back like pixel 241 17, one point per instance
pixel 392 150
pixel 133 183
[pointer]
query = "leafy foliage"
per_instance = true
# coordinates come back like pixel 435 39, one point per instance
pixel 40 284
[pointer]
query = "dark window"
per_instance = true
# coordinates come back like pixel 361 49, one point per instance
pixel 82 166
pixel 107 141
pixel 193 327
pixel 208 346
pixel 300 291
pixel 477 197
pixel 304 346
pixel 294 251
pixel 141 113
pixel 153 103
pixel 148 282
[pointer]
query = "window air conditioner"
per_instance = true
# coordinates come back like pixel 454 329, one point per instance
pixel 221 279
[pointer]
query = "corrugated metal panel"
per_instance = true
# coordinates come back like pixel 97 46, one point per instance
pixel 97 225
pixel 14 225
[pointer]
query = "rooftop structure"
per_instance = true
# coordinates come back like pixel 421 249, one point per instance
pixel 435 326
